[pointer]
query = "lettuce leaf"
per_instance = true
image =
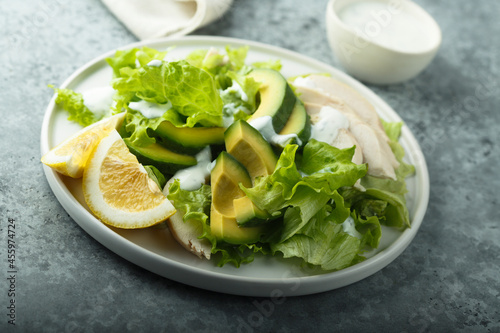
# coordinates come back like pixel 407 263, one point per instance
pixel 132 57
pixel 72 102
pixel 322 241
pixel 194 204
pixel 271 64
pixel 370 228
pixel 191 90
pixel 286 191
pixel 215 62
pixel 156 175
pixel 249 86
pixel 237 56
pixel 138 128
pixel 384 198
pixel 227 70
pixel 218 64
pixel 209 61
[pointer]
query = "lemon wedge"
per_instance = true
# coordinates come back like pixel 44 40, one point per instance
pixel 70 156
pixel 118 189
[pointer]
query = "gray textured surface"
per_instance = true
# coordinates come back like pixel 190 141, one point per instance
pixel 446 281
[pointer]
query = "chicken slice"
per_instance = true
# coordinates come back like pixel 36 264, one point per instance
pixel 351 97
pixel 375 151
pixel 344 140
pixel 187 232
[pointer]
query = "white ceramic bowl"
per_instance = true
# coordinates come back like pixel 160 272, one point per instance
pixel 382 41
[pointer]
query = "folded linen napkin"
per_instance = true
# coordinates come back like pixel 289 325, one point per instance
pixel 150 19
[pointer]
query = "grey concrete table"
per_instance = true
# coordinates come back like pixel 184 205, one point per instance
pixel 446 281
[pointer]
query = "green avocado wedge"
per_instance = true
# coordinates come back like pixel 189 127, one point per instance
pixel 166 161
pixel 188 140
pixel 247 214
pixel 277 98
pixel 299 123
pixel 226 177
pixel 226 228
pixel 249 147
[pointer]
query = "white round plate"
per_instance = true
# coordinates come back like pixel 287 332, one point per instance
pixel 156 250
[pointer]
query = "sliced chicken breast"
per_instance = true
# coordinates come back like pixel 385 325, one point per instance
pixel 317 97
pixel 187 233
pixel 375 151
pixel 351 97
pixel 344 140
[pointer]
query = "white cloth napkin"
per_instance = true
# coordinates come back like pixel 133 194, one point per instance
pixel 150 19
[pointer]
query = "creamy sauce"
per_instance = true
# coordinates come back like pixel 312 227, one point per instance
pixel 227 120
pixel 155 63
pixel 265 126
pixel 237 90
pixel 330 121
pixel 304 82
pixel 387 25
pixel 229 109
pixel 99 100
pixel 228 112
pixel 150 110
pixel 350 229
pixel 193 177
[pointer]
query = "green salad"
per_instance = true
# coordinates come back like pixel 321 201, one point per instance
pixel 268 176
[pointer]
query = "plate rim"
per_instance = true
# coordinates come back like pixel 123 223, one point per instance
pixel 217 281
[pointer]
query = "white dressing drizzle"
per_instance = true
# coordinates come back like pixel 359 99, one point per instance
pixel 229 109
pixel 155 63
pixel 235 89
pixel 349 228
pixel 265 126
pixel 304 81
pixel 329 123
pixel 193 177
pixel 99 100
pixel 150 110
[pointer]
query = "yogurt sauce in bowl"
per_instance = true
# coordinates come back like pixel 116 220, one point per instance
pixel 388 25
pixel 382 41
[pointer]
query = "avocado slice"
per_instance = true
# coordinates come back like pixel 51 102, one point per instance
pixel 250 148
pixel 247 214
pixel 227 229
pixel 299 123
pixel 188 140
pixel 276 97
pixel 226 176
pixel 166 161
